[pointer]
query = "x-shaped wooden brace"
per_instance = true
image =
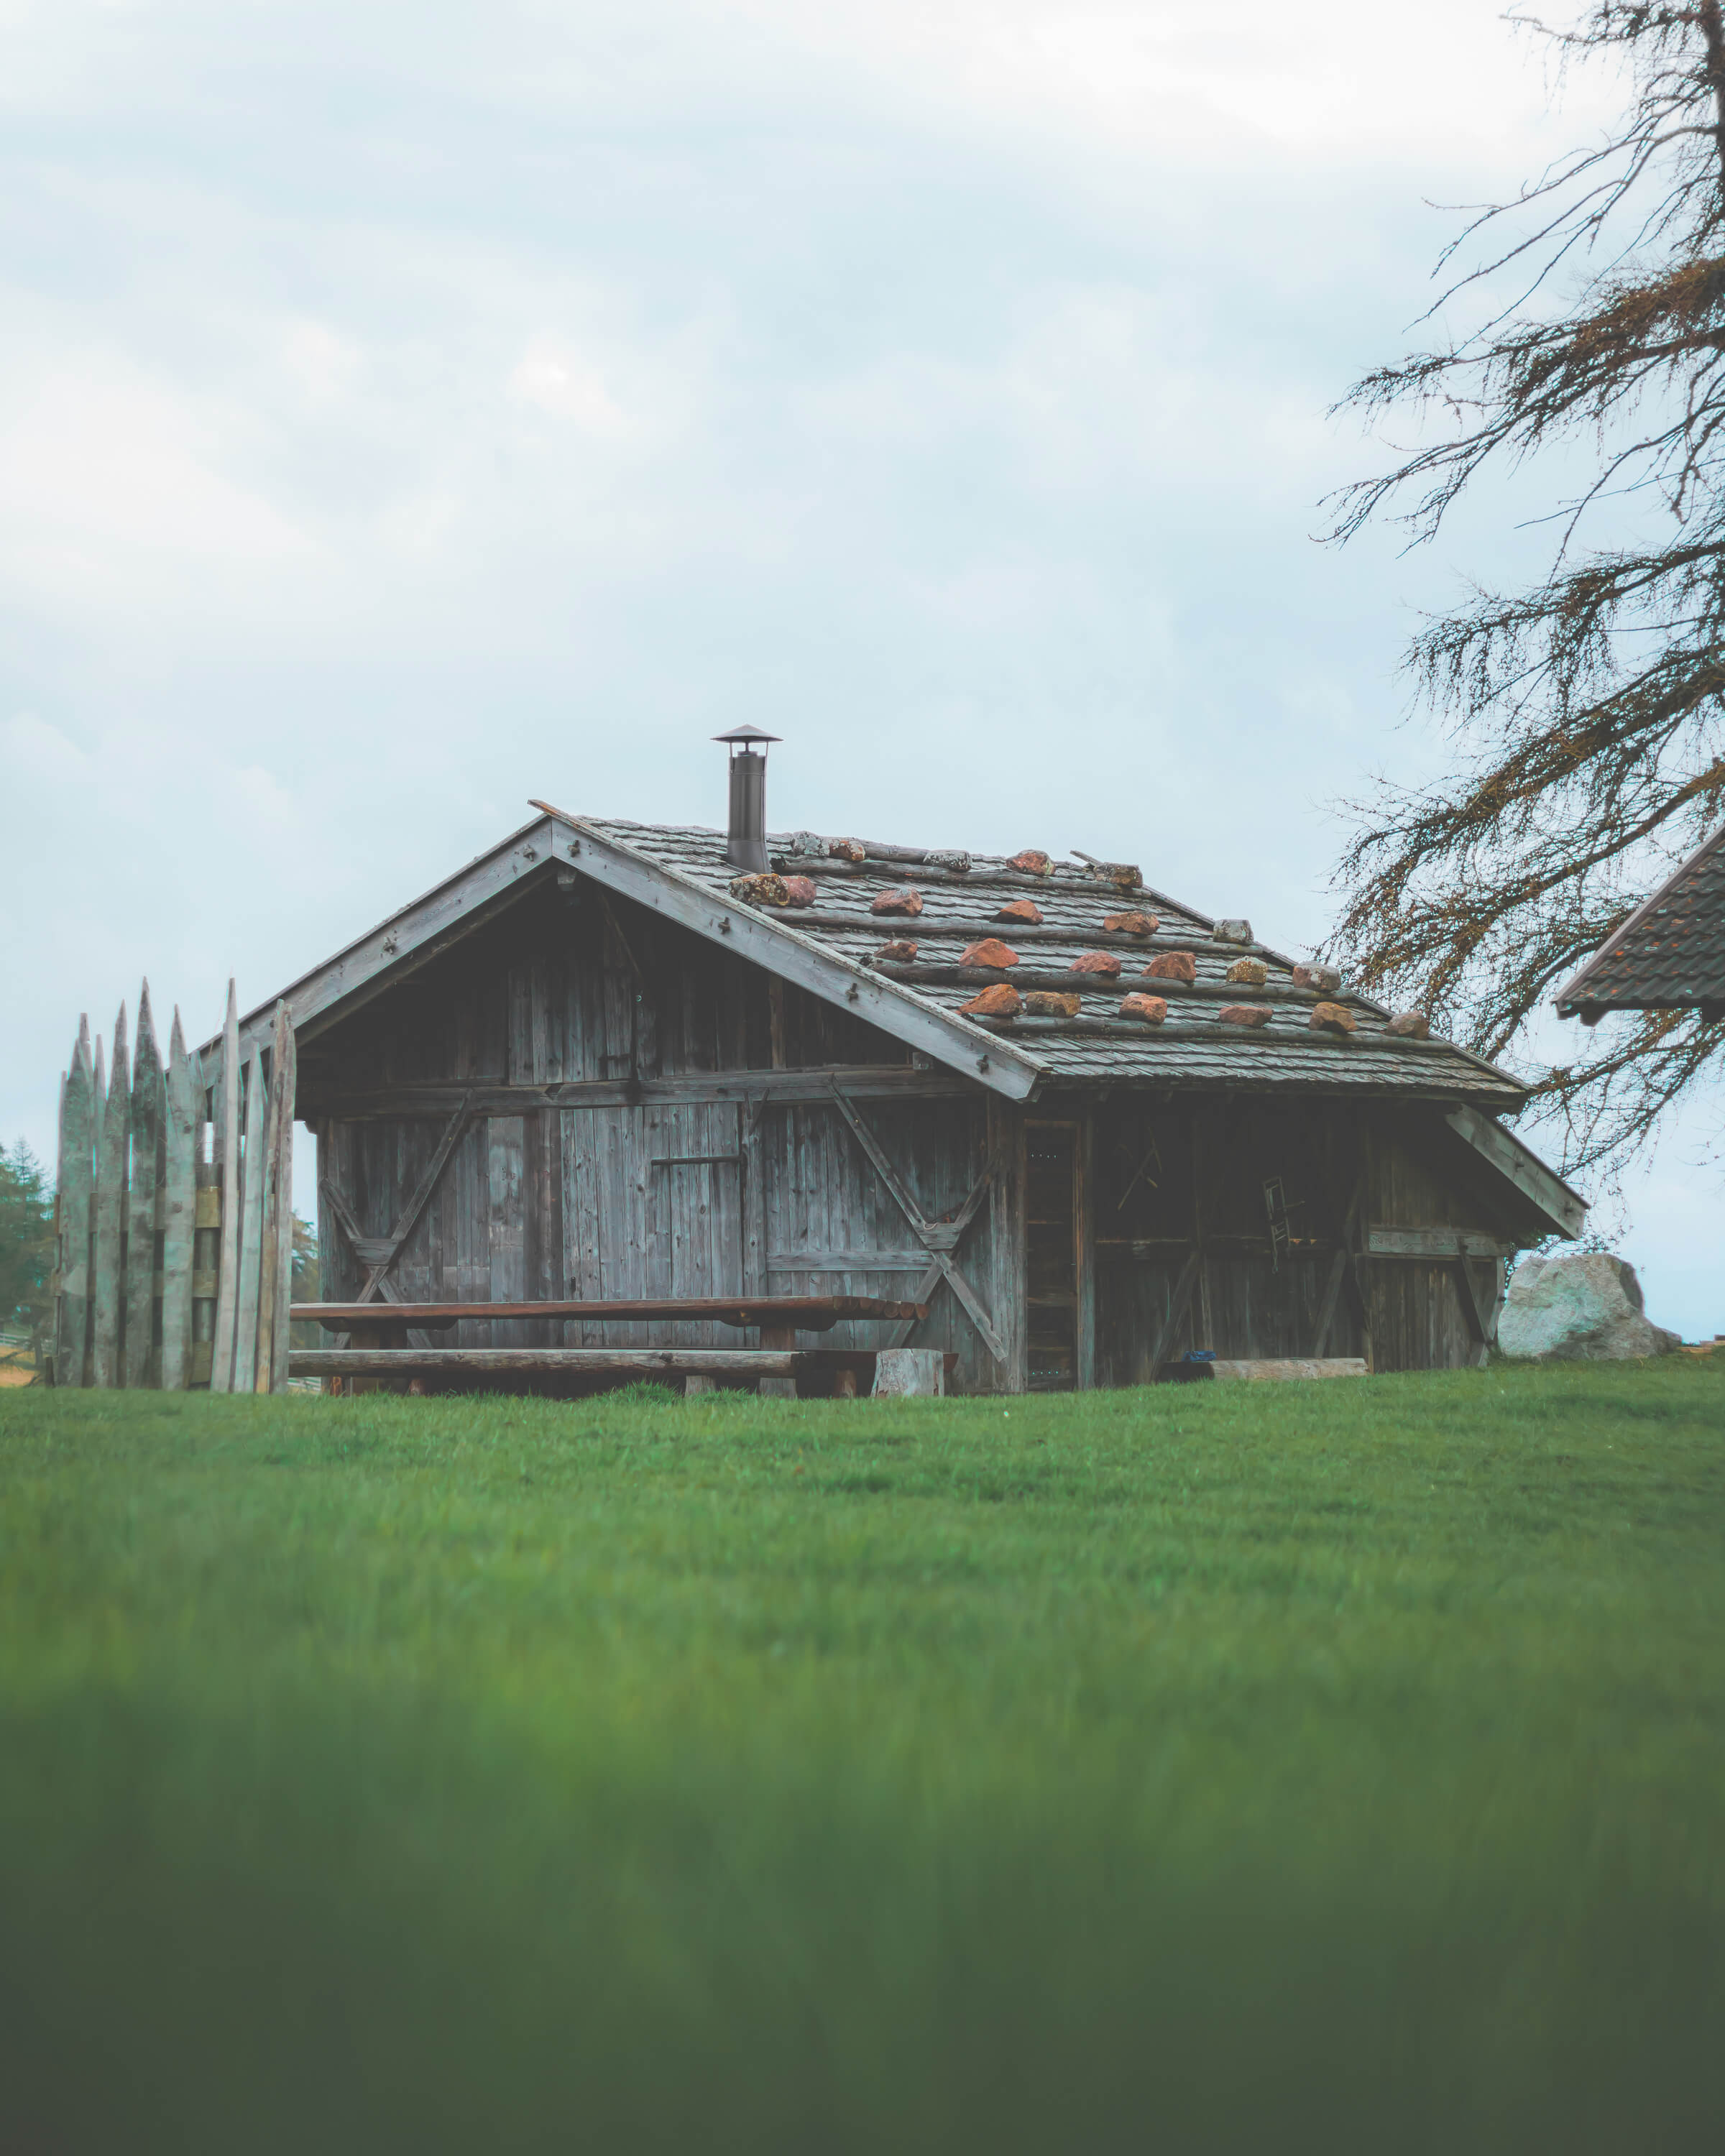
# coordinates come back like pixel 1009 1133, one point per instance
pixel 377 1253
pixel 939 1238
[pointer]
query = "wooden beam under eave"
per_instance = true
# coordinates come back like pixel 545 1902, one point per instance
pixel 1519 1164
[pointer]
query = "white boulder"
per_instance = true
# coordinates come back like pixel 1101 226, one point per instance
pixel 1584 1307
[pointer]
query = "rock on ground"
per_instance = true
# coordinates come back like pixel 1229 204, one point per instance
pixel 1585 1307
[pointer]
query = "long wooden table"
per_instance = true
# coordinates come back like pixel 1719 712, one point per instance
pixel 379 1347
pixel 794 1313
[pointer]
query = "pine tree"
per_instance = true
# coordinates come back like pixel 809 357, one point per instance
pixel 26 1237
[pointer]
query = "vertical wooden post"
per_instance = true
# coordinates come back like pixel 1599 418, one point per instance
pixel 225 1113
pixel 276 1266
pixel 74 1185
pixel 140 1208
pixel 782 1338
pixel 1005 1139
pixel 251 1231
pixel 1084 1226
pixel 207 1243
pixel 1206 1320
pixel 179 1213
pixel 754 1197
pixel 269 1237
pixel 110 1213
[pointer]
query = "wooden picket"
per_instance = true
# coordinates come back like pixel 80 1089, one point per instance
pixel 174 1271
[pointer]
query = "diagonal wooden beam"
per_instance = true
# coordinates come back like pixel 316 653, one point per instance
pixel 941 1263
pixel 1479 1318
pixel 344 1218
pixel 944 1265
pixel 419 1201
pixel 1179 1302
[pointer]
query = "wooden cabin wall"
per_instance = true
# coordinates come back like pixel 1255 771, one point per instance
pixel 650 1195
pixel 658 1196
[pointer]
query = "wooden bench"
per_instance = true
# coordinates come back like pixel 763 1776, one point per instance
pixel 379 1348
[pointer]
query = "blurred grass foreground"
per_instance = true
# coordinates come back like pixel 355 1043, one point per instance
pixel 1264 1767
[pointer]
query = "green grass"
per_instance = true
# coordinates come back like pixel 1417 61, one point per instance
pixel 1334 1766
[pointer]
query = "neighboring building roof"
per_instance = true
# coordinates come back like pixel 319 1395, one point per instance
pixel 830 947
pixel 1669 955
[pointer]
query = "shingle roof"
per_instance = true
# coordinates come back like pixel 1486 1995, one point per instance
pixel 961 895
pixel 1670 953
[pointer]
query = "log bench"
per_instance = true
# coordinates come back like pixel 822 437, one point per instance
pixel 379 1350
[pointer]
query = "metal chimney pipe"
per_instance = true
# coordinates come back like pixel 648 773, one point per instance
pixel 746 832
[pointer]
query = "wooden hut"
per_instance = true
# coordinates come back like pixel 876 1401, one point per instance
pixel 1093 1131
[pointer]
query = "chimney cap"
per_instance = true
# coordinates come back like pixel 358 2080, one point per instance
pixel 744 737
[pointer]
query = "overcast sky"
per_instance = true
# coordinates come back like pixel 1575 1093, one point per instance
pixel 405 409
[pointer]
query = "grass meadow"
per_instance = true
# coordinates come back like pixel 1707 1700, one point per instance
pixel 1280 1767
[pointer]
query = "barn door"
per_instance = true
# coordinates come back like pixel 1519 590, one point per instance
pixel 694 1199
pixel 653 1206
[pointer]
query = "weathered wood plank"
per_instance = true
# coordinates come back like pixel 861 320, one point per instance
pixel 74 1186
pixel 1437 1244
pixel 138 1327
pixel 757 1258
pixel 110 1215
pixel 1083 1230
pixel 507 1239
pixel 226 1158
pixel 179 1193
pixel 1179 1302
pixel 438 1097
pixel 285 1062
pixel 98 1104
pixel 1008 1233
pixel 276 1247
pixel 699 1362
pixel 1280 1370
pixel 251 1231
pixel 804 1312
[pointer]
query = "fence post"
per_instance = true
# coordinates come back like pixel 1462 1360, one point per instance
pixel 73 1186
pixel 179 1202
pixel 111 1214
pixel 145 1118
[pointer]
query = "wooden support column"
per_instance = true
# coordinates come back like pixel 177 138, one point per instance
pixel 1206 1319
pixel 1007 1239
pixel 1084 1225
pixel 754 1196
pixel 781 1338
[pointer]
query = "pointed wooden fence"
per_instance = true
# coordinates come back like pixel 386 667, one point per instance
pixel 174 1211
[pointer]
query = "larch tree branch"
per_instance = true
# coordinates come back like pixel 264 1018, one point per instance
pixel 1586 712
